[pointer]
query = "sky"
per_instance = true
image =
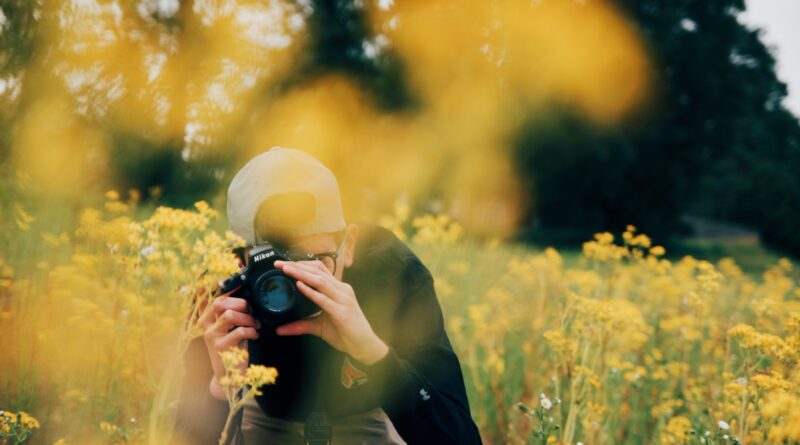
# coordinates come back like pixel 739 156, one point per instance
pixel 780 20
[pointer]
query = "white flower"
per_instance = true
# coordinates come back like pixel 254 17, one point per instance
pixel 546 403
pixel 689 25
pixel 725 436
pixel 723 425
pixel 708 433
pixel 579 443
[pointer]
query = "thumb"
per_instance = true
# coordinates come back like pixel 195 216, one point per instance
pixel 300 327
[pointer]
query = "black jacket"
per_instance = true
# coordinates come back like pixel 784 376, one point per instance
pixel 419 384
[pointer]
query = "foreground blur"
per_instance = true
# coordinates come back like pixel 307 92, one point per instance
pixel 114 82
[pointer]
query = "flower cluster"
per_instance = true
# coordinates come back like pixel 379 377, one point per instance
pixel 116 308
pixel 16 427
pixel 242 382
pixel 545 425
pixel 628 338
pixel 239 376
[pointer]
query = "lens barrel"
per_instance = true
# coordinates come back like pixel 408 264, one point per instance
pixel 275 293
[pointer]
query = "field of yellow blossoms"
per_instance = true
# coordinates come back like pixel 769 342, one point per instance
pixel 616 345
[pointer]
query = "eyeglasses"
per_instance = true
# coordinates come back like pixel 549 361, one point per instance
pixel 328 259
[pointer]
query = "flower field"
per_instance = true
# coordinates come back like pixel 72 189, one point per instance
pixel 615 345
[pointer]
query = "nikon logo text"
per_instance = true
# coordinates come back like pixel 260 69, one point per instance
pixel 264 255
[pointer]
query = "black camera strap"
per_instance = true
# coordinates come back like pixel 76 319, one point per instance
pixel 317 429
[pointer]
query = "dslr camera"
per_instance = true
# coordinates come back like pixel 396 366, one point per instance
pixel 273 296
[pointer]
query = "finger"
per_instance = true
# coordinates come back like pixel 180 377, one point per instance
pixel 235 337
pixel 282 265
pixel 315 264
pixel 226 322
pixel 230 319
pixel 306 326
pixel 208 315
pixel 318 265
pixel 325 283
pixel 324 302
pixel 224 303
pixel 219 306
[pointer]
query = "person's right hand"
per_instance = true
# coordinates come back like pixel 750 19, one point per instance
pixel 226 322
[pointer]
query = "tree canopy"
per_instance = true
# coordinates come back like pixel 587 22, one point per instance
pixel 615 112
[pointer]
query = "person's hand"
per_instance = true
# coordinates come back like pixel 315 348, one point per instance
pixel 342 323
pixel 226 322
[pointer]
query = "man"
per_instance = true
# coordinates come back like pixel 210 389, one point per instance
pixel 375 360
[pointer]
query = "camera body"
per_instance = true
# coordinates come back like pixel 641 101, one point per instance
pixel 272 294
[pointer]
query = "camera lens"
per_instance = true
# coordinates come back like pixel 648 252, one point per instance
pixel 276 294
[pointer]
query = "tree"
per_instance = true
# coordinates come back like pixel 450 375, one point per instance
pixel 716 139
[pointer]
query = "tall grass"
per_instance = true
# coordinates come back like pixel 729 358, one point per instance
pixel 613 344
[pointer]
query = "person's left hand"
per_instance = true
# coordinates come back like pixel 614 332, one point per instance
pixel 342 323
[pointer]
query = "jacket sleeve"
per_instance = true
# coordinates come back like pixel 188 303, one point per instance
pixel 419 383
pixel 200 417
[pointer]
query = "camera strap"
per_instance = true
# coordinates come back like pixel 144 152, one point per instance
pixel 317 429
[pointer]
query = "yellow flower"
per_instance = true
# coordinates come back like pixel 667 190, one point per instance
pixel 28 421
pixel 784 409
pixel 24 219
pixel 603 248
pixel 18 424
pixel 134 196
pixel 676 431
pixel 206 210
pixel 748 337
pixel 238 376
pixel 436 230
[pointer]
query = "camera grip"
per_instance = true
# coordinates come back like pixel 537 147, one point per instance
pixel 231 284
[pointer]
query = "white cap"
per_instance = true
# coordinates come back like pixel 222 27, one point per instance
pixel 299 195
